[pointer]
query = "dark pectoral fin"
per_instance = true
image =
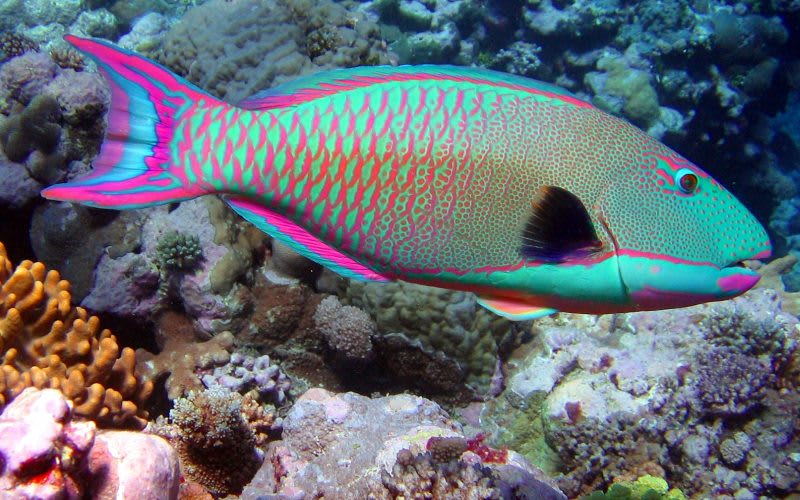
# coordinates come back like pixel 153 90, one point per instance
pixel 558 228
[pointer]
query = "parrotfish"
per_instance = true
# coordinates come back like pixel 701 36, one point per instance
pixel 454 177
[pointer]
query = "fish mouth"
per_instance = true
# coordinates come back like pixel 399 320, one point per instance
pixel 737 278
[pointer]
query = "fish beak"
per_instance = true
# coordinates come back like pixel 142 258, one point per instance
pixel 735 280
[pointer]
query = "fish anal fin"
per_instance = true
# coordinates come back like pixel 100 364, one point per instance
pixel 513 309
pixel 301 241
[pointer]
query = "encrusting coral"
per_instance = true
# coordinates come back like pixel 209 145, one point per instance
pixel 45 342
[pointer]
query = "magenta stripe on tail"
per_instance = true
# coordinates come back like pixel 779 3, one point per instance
pixel 134 168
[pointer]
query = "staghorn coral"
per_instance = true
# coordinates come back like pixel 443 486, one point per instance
pixel 47 343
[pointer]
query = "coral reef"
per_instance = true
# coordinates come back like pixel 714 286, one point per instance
pixel 656 393
pixel 254 376
pixel 234 50
pixel 646 487
pixel 14 44
pixel 185 352
pixel 51 120
pixel 178 251
pixel 347 330
pixel 125 261
pixel 429 32
pixel 435 327
pixel 47 342
pixel 351 446
pixel 730 383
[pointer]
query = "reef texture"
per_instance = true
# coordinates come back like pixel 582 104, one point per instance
pixel 218 434
pixel 51 121
pixel 692 395
pixel 351 446
pixel 46 342
pixel 438 340
pixel 49 456
pixel 184 354
pixel 235 49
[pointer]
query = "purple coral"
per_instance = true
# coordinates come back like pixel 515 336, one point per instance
pixel 244 373
pixel 730 383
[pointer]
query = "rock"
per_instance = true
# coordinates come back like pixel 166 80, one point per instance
pixel 46 455
pixel 350 446
pixel 41 449
pixel 131 465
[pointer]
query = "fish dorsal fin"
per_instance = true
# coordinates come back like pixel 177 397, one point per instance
pixel 558 228
pixel 301 241
pixel 311 87
pixel 514 310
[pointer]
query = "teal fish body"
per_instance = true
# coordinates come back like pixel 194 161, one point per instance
pixel 452 177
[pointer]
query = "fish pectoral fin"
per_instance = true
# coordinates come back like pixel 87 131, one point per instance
pixel 559 228
pixel 513 309
pixel 301 241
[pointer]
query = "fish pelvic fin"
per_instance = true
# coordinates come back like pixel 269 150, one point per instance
pixel 135 166
pixel 514 310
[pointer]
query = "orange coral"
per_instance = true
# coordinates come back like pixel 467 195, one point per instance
pixel 45 342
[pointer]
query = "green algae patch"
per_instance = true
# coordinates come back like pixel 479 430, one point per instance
pixel 644 488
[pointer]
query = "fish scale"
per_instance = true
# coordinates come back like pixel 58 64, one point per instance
pixel 453 177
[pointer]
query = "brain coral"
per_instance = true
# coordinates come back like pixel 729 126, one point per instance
pixel 45 342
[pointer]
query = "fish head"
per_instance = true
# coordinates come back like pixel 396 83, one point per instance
pixel 679 236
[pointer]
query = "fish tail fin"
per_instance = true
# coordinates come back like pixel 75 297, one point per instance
pixel 135 167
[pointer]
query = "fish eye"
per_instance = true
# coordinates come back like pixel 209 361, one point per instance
pixel 687 180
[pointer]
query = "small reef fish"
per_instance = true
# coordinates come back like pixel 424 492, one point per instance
pixel 459 178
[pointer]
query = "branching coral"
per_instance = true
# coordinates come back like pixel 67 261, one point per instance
pixel 47 343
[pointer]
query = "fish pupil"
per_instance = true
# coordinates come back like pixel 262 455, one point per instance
pixel 688 183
